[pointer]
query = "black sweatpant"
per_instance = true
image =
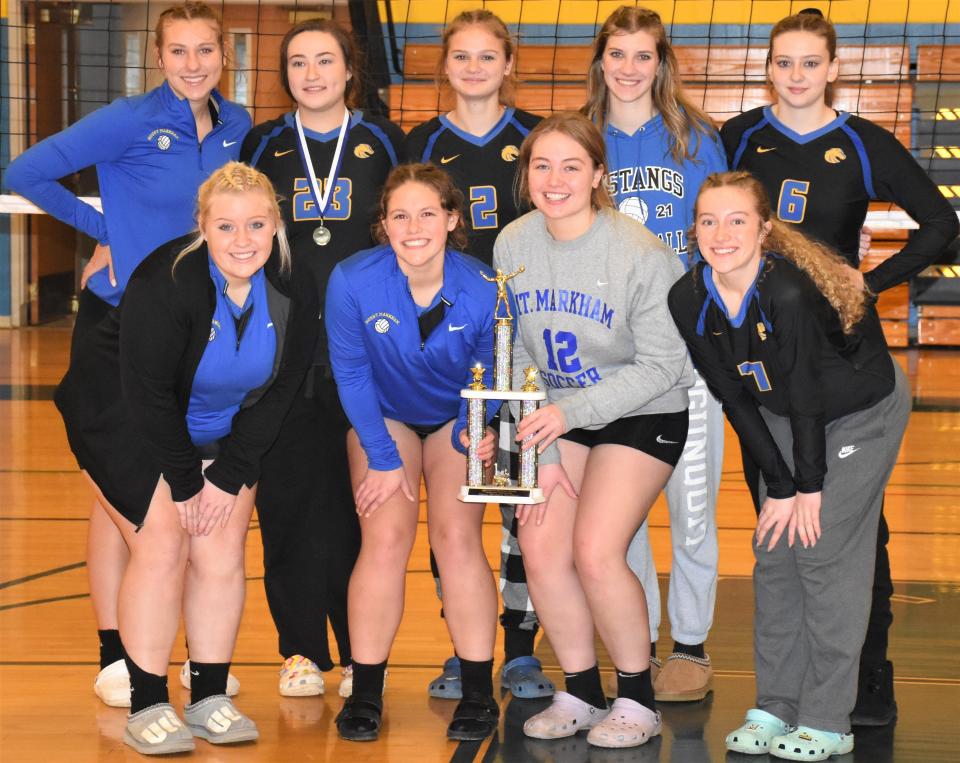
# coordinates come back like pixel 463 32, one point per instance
pixel 874 650
pixel 308 522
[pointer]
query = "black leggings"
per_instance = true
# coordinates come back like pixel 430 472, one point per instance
pixel 309 525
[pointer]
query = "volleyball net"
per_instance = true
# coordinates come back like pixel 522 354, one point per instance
pixel 900 65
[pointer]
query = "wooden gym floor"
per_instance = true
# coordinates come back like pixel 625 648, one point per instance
pixel 48 642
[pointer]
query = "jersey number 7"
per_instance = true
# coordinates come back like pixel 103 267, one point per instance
pixel 755 369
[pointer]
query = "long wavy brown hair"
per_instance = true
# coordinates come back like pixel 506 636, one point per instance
pixel 681 116
pixel 827 270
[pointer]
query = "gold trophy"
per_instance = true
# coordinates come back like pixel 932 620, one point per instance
pixel 503 489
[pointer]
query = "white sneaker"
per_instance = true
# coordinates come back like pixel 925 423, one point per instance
pixel 113 685
pixel 300 677
pixel 565 717
pixel 629 724
pixel 233 683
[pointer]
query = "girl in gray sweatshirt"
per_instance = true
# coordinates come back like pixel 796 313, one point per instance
pixel 592 316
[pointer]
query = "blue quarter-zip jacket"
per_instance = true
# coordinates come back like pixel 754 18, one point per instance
pixel 149 166
pixel 383 369
pixel 650 186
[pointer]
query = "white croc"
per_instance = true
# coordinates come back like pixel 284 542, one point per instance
pixel 804 743
pixel 629 724
pixel 233 683
pixel 113 685
pixel 754 736
pixel 565 717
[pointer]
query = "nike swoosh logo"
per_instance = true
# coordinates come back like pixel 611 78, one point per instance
pixel 666 442
pixel 717 333
pixel 764 149
pixel 602 283
pixel 451 327
pixel 194 672
pixel 847 450
pixel 227 144
pixel 278 154
pixel 448 159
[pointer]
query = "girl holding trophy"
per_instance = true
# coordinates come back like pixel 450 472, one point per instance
pixel 406 320
pixel 592 315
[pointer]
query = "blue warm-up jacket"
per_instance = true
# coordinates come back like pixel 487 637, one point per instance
pixel 383 368
pixel 149 166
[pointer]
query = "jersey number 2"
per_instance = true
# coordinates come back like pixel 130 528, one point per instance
pixel 792 204
pixel 755 369
pixel 483 207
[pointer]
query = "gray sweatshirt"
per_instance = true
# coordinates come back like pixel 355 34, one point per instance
pixel 592 315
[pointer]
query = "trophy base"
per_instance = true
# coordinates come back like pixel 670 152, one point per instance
pixel 496 494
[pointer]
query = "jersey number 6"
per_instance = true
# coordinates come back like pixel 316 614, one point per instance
pixel 792 204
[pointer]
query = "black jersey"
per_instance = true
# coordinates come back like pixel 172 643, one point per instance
pixel 823 182
pixel 785 350
pixel 483 168
pixel 370 151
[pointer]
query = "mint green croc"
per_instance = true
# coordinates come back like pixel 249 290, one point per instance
pixel 805 743
pixel 754 736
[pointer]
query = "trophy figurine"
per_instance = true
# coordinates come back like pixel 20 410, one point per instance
pixel 503 489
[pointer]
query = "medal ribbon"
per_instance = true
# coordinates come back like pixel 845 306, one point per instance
pixel 321 199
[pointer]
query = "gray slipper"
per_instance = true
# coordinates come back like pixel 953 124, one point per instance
pixel 217 720
pixel 157 730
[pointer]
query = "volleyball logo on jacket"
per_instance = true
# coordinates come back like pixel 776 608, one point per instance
pixel 635 207
pixel 382 326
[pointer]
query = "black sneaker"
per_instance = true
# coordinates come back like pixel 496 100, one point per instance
pixel 876 705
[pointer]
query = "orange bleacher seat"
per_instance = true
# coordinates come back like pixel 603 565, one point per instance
pixel 940 63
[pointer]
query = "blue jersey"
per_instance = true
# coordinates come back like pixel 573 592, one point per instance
pixel 648 184
pixel 149 166
pixel 238 358
pixel 383 368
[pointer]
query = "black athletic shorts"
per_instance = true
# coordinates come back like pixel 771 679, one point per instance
pixel 423 431
pixel 661 435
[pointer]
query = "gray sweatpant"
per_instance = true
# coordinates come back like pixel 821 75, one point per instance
pixel 692 499
pixel 812 604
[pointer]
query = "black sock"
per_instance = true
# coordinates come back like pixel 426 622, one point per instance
pixel 207 679
pixel 586 686
pixel 111 649
pixel 694 650
pixel 636 686
pixel 518 643
pixel 653 649
pixel 146 689
pixel 476 677
pixel 368 682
